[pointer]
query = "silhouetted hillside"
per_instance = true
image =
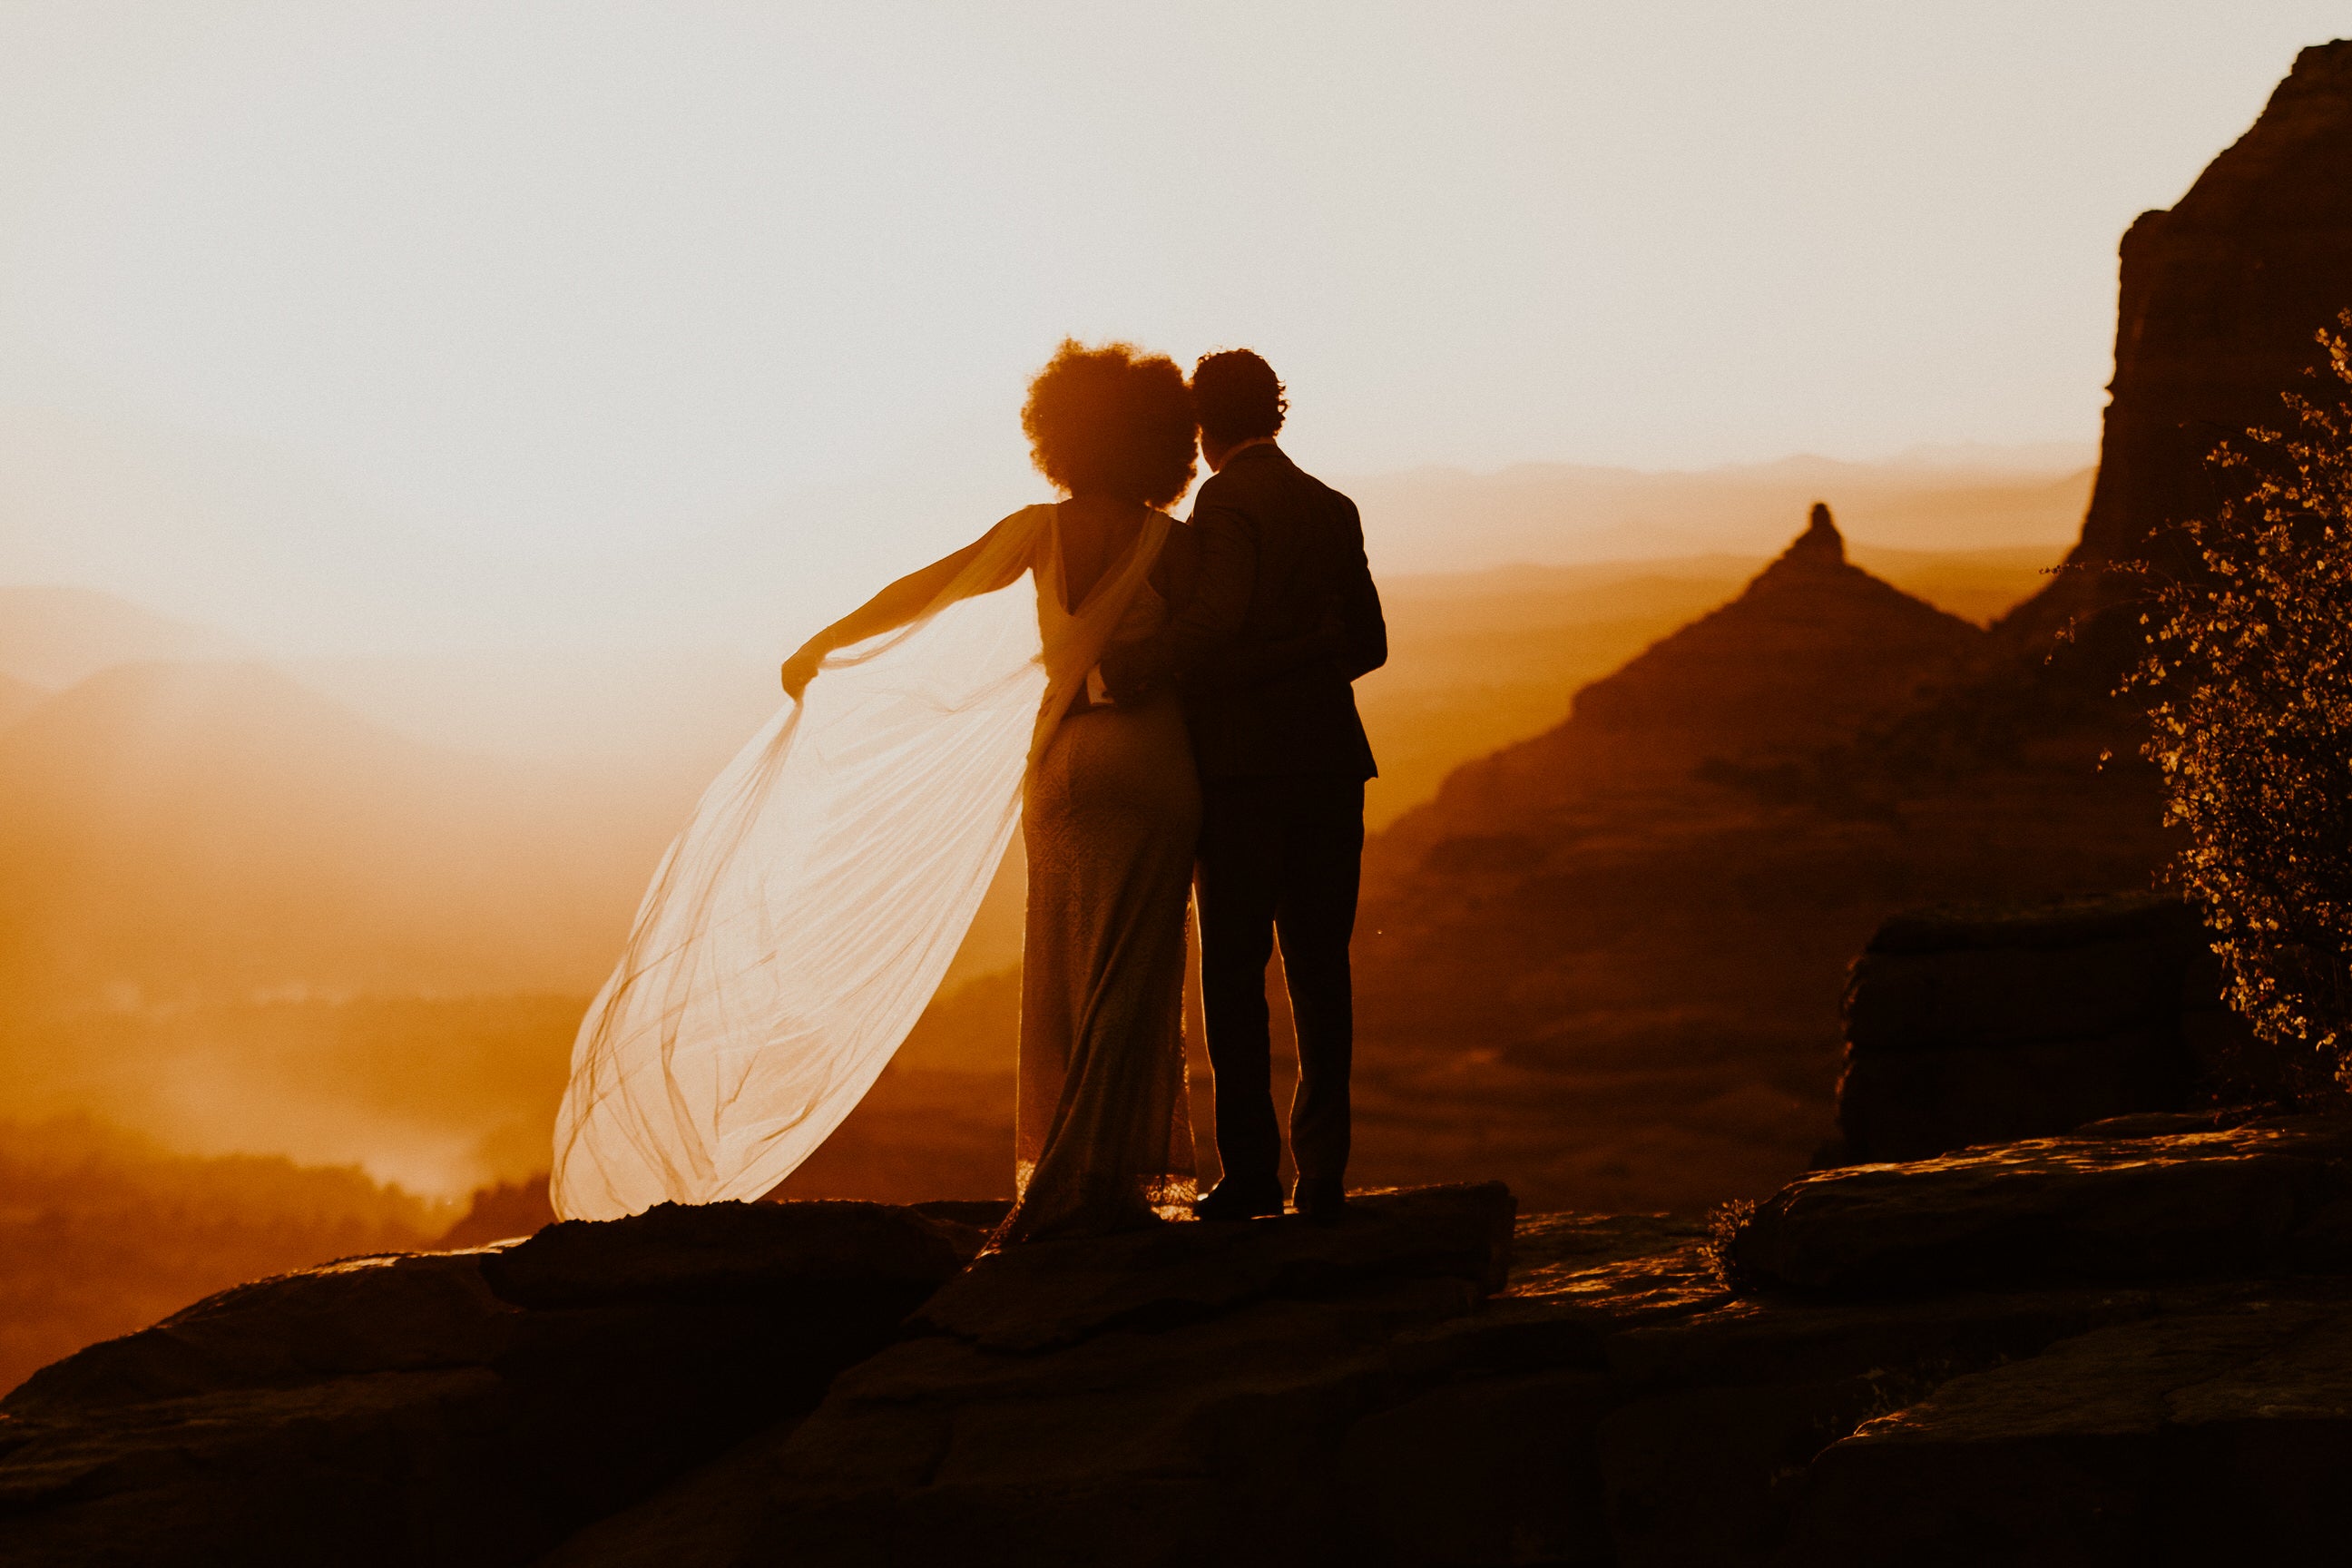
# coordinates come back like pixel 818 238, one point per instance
pixel 209 831
pixel 499 1212
pixel 1607 962
pixel 2218 301
pixel 1809 650
pixel 1480 660
pixel 17 698
pixel 440 1093
pixel 53 636
pixel 1720 686
pixel 101 1231
pixel 1978 586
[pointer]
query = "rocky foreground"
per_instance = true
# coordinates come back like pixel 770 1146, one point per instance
pixel 2132 1345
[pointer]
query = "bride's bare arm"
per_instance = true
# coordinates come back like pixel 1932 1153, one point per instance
pixel 889 610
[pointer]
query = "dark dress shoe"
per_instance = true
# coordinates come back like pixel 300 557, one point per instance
pixel 1321 1200
pixel 1229 1200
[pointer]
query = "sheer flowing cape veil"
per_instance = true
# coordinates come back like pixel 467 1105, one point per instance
pixel 799 925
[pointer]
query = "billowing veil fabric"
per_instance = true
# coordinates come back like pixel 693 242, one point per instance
pixel 799 925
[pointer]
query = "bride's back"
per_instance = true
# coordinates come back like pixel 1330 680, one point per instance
pixel 1095 534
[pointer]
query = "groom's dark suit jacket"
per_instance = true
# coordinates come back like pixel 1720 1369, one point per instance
pixel 1284 617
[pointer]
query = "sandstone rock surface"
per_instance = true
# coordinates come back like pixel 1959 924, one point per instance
pixel 453 1408
pixel 2263 1195
pixel 2220 296
pixel 1160 1398
pixel 1980 1025
pixel 1240 1396
pixel 2218 301
pixel 1268 1392
pixel 2219 1436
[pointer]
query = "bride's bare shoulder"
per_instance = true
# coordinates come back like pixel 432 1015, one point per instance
pixel 1022 528
pixel 1028 516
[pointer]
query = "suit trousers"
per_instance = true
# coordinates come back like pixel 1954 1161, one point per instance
pixel 1280 856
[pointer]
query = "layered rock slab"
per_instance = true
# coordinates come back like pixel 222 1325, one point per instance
pixel 2212 1436
pixel 2263 1195
pixel 1968 1025
pixel 456 1408
pixel 1270 1393
pixel 2209 1419
pixel 1617 1405
pixel 1160 1398
pixel 2219 298
pixel 1261 1393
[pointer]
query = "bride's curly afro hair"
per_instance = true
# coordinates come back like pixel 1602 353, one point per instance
pixel 1111 421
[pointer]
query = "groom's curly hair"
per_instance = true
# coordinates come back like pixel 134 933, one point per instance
pixel 1111 421
pixel 1236 396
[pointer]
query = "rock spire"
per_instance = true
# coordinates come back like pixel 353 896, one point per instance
pixel 1821 541
pixel 2218 301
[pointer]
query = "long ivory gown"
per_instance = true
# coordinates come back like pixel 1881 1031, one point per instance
pixel 810 908
pixel 1110 814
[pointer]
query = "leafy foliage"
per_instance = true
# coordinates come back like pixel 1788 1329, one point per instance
pixel 2249 661
pixel 1720 1247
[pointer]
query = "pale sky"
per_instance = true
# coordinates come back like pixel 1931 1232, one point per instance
pixel 441 293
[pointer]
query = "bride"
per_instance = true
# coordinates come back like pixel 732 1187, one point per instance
pixel 802 920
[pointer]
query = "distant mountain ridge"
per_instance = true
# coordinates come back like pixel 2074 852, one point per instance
pixel 214 829
pixel 1629 995
pixel 1608 959
pixel 222 531
pixel 1711 687
pixel 1438 519
pixel 52 636
pixel 17 698
pixel 188 840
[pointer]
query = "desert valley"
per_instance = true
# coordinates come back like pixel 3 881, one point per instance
pixel 253 913
pixel 1803 1085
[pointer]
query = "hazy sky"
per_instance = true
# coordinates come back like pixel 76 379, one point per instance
pixel 571 281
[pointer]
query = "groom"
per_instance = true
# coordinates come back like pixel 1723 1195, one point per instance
pixel 1285 618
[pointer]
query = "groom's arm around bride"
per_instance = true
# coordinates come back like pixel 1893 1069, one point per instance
pixel 1285 617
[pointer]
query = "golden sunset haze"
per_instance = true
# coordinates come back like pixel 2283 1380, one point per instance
pixel 423 428
pixel 392 328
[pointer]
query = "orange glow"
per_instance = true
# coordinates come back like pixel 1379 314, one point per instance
pixel 424 430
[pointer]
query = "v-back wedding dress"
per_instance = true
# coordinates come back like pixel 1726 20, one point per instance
pixel 1110 817
pixel 798 926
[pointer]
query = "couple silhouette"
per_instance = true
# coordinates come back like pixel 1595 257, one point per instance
pixel 1195 740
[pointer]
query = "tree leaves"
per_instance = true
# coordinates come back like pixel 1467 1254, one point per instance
pixel 2249 659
